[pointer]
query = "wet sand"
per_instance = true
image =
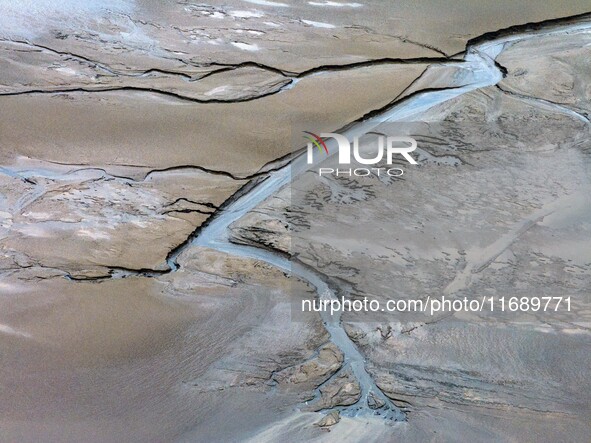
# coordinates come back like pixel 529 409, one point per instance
pixel 102 340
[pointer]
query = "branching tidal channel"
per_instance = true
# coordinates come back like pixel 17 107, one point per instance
pixel 479 69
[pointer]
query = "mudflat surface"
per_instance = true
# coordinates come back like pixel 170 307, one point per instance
pixel 127 128
pixel 497 207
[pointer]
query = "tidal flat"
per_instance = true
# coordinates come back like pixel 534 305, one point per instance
pixel 160 227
